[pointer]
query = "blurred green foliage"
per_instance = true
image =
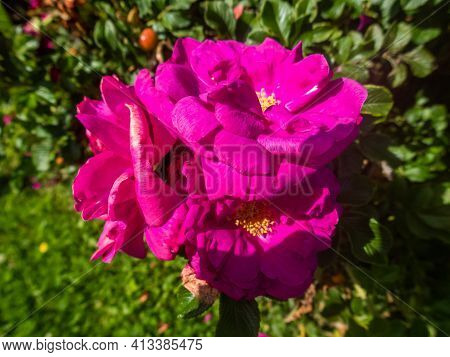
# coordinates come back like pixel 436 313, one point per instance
pixel 394 232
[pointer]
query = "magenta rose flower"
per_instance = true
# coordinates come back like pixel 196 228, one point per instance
pixel 118 184
pixel 224 93
pixel 265 246
pixel 250 201
pixel 256 117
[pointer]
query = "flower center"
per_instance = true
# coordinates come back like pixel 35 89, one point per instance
pixel 256 217
pixel 266 101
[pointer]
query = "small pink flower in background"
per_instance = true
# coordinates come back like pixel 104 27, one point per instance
pixel 47 43
pixel 33 26
pixel 207 318
pixel 7 119
pixel 30 29
pixel 364 21
pixel 238 10
pixel 262 334
pixel 34 4
pixel 36 185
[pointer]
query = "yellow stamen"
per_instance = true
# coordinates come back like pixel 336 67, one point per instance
pixel 255 217
pixel 266 101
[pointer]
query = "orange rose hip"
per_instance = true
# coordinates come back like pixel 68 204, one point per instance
pixel 148 39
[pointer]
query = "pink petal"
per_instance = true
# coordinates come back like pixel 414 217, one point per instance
pixel 94 181
pixel 318 134
pixel 110 241
pixel 302 81
pixel 286 259
pixel 244 155
pixel 121 196
pixel 215 62
pixel 296 54
pixel 123 236
pixel 263 63
pixel 290 143
pixel 117 95
pixel 101 123
pixel 243 264
pixel 238 110
pixel 222 181
pixel 165 240
pixel 156 102
pixel 341 100
pixel 193 119
pixel 182 51
pixel 176 81
pixel 156 199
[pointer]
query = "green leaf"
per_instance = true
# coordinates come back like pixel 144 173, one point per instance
pixel 46 94
pixel 174 20
pixel 402 152
pixel 421 61
pixel 277 16
pixel 41 155
pixel 321 32
pixel 411 5
pixel 237 318
pixel 335 11
pixel 344 47
pixel 438 219
pixel 354 71
pixel 374 38
pixel 306 8
pixel 144 7
pixel 357 190
pixel 376 147
pixel 379 101
pixel 111 34
pixel 420 36
pixel 388 9
pixel 398 75
pixel 99 33
pixel 219 16
pixel 381 241
pixel 257 35
pixel 181 4
pixel 370 240
pixel 189 306
pixel 398 37
pixel 6 25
